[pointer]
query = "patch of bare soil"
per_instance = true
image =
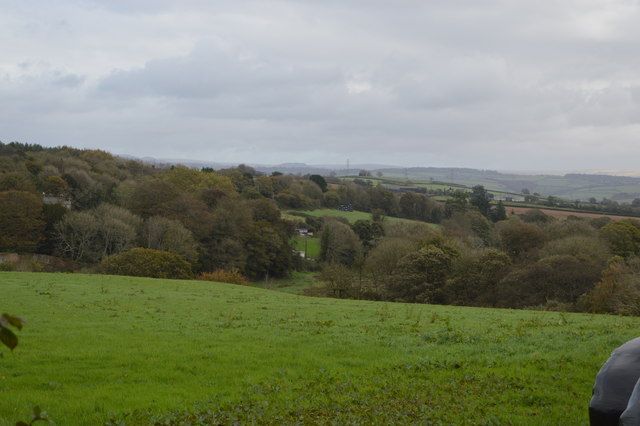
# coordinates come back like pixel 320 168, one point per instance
pixel 563 214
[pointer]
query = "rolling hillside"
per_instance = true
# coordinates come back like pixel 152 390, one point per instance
pixel 142 350
pixel 570 186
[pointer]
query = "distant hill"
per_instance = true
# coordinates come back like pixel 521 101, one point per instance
pixel 621 187
pixel 573 186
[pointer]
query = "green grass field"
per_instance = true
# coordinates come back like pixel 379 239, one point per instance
pixel 311 244
pixel 297 283
pixel 350 216
pixel 98 347
pixel 574 186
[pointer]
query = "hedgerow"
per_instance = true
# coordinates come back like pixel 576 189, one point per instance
pixel 142 262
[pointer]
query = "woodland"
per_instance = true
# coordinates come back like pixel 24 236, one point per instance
pixel 96 212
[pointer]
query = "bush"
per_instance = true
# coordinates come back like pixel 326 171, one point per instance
pixel 233 276
pixel 141 262
pixel 7 266
pixel 623 237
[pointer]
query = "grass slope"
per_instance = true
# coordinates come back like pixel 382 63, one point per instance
pixel 297 283
pixel 95 345
pixel 352 216
pixel 311 244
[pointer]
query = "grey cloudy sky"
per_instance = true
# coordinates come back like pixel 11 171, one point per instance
pixel 499 84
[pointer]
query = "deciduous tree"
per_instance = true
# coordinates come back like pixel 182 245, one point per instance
pixel 21 221
pixel 55 186
pixel 475 276
pixel 16 182
pixel 320 181
pixel 623 237
pixel 457 203
pixel 368 232
pixel 141 262
pixel 422 275
pixel 480 199
pixel 268 251
pixel 383 199
pixel 471 227
pixel 76 235
pixel 517 237
pixel 618 291
pixel 96 233
pixel 338 243
pixel 161 233
pixel 382 261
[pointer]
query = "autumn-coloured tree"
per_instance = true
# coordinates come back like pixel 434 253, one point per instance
pixel 16 182
pixel 517 237
pixel 339 244
pixel 161 233
pixel 21 221
pixel 55 186
pixel 382 261
pixel 268 251
pixel 421 274
pixel 383 199
pixel 419 207
pixel 141 262
pixel 475 277
pixel 96 233
pixel 623 237
pixel 618 292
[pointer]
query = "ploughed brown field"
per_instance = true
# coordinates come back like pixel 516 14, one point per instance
pixel 563 214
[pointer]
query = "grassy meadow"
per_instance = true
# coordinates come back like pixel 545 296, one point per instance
pixel 352 216
pixel 297 283
pixel 102 349
pixel 311 244
pixel 572 186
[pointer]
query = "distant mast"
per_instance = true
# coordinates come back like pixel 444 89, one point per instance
pixel 347 167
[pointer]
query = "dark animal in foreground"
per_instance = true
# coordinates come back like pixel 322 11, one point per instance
pixel 616 393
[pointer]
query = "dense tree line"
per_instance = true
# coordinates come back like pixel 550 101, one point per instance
pixel 523 261
pixel 97 209
pixel 88 205
pixel 605 206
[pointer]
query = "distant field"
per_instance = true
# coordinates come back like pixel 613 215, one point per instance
pixel 352 217
pixel 572 186
pixel 311 244
pixel 392 183
pixel 157 349
pixel 563 214
pixel 402 182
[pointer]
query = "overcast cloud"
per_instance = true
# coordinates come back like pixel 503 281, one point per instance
pixel 517 85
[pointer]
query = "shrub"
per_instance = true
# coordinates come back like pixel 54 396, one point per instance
pixel 7 266
pixel 232 276
pixel 21 221
pixel 518 237
pixel 141 262
pixel 623 237
pixel 618 292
